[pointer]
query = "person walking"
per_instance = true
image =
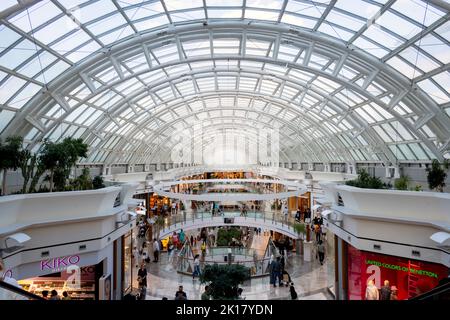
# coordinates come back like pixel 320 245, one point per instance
pixel 155 250
pixel 275 272
pixel 196 266
pixel 394 291
pixel 65 296
pixel 321 251
pixel 142 276
pixel 294 295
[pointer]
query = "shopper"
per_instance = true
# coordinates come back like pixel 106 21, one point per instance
pixel 142 276
pixel 45 294
pixel 180 294
pixel 294 295
pixel 182 236
pixel 66 296
pixel 54 295
pixel 205 294
pixel 372 291
pixel 203 249
pixel 155 250
pixel 321 251
pixel 239 294
pixel 196 266
pixel 275 272
pixel 385 291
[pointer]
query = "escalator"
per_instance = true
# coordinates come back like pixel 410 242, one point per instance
pixel 12 292
pixel 441 292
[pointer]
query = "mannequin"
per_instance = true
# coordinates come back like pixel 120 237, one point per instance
pixel 372 291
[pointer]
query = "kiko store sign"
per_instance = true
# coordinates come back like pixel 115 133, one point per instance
pixel 59 264
pixel 52 265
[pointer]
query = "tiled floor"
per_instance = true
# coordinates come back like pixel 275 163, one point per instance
pixel 310 280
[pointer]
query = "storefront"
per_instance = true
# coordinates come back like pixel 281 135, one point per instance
pixel 80 284
pixel 127 261
pixel 77 274
pixel 410 277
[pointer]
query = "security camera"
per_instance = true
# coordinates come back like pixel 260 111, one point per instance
pixel 14 242
pixel 18 239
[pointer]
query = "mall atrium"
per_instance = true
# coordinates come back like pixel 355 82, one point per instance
pixel 302 146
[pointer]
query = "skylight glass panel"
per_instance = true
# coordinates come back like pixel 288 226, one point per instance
pixel 398 25
pixel 9 88
pixel 406 69
pixel 443 79
pixel 7 37
pixel 84 51
pixel 269 4
pixel 261 15
pixel 107 24
pixel 117 35
pixel 224 13
pixel 444 31
pixel 298 21
pixel 188 15
pixel 418 10
pixel 375 33
pixel 5 117
pixel 151 23
pixel 396 151
pixel 95 10
pixel 360 8
pixel 24 95
pixel 183 4
pixel 17 55
pixel 5 4
pixel 345 20
pixel 55 70
pixel 412 55
pixel 304 9
pixel 435 47
pixel 55 30
pixel 145 11
pixel 335 31
pixel 38 14
pixel 433 91
pixel 71 42
pixel 370 47
pixel 37 64
pixel 418 151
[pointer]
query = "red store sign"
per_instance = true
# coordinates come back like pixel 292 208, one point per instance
pixel 411 277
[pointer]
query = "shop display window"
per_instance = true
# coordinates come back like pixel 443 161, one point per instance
pixel 409 277
pixel 79 284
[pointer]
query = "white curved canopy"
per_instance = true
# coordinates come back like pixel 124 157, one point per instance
pixel 342 80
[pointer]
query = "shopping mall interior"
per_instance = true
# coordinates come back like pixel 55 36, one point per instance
pixel 224 150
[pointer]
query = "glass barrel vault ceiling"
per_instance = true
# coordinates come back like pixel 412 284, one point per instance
pixel 345 80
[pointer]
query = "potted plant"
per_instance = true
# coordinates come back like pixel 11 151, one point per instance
pixel 437 175
pixel 300 229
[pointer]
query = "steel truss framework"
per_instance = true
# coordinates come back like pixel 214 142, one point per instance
pixel 126 80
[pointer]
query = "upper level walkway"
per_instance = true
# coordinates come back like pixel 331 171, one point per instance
pixel 266 220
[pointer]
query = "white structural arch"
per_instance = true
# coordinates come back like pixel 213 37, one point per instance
pixel 346 80
pixel 198 223
pixel 293 189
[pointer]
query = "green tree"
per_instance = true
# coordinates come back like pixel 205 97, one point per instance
pixel 52 156
pixel 402 183
pixel 59 158
pixel 365 180
pixel 437 175
pixel 10 155
pixel 97 182
pixel 84 181
pixel 223 280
